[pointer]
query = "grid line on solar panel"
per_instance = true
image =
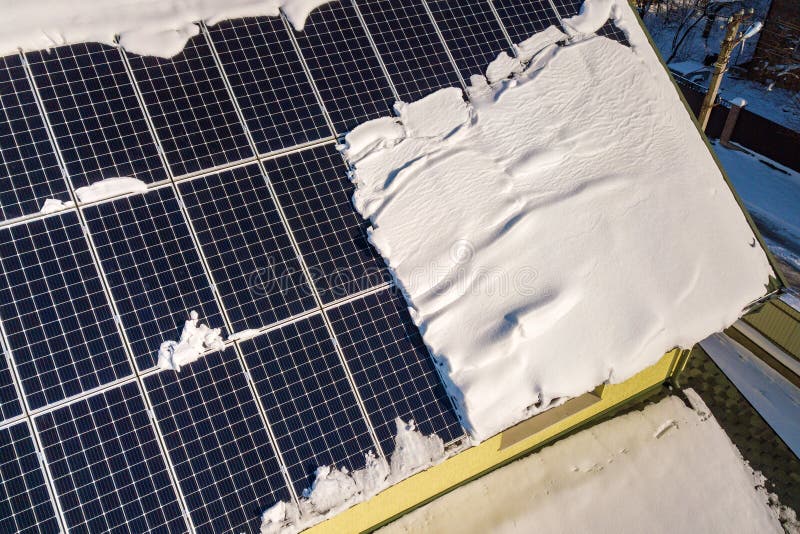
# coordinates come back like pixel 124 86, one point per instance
pixel 26 505
pixel 153 270
pixel 344 66
pixel 570 8
pixel 270 85
pixel 107 467
pixel 96 119
pixel 218 443
pixel 10 403
pixel 410 47
pixel 30 172
pixel 471 32
pixel 252 261
pixel 308 398
pixel 190 108
pixel 523 18
pixel 57 321
pixel 314 192
pixel 391 367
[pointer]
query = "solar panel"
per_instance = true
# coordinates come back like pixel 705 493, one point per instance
pixel 411 49
pixel 153 269
pixel 570 8
pixel 193 114
pixel 29 170
pixel 58 324
pixel 471 31
pixel 271 87
pixel 344 66
pixel 392 368
pixel 107 466
pixel 252 261
pixel 314 190
pixel 523 18
pixel 98 124
pixel 218 443
pixel 311 407
pixel 25 505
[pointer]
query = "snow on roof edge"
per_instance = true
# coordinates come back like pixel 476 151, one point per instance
pixel 146 27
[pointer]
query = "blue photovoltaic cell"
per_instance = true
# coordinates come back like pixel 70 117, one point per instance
pixel 471 32
pixel 252 261
pixel 9 401
pixel 218 443
pixel 25 505
pixel 391 367
pixel 107 467
pixel 409 46
pixel 192 112
pixel 315 193
pixel 270 85
pixel 523 18
pixel 98 124
pixel 29 171
pixel 152 267
pixel 570 8
pixel 310 404
pixel 59 325
pixel 344 66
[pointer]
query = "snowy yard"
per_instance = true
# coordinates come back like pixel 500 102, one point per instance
pixel 668 468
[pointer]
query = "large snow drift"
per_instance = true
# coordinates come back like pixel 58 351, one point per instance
pixel 148 27
pixel 564 229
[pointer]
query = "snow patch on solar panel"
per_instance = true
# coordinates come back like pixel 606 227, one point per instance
pixel 196 339
pixel 564 229
pixel 336 489
pixel 110 187
pixel 146 27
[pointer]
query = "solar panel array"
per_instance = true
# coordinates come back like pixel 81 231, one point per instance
pixel 247 220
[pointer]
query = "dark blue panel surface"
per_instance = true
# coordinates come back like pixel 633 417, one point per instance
pixel 471 32
pixel 153 269
pixel 314 190
pixel 409 46
pixel 252 261
pixel 570 8
pixel 309 402
pixel 344 66
pixel 10 404
pixel 269 82
pixel 193 113
pixel 107 467
pixel 218 443
pixel 29 171
pixel 97 120
pixel 59 325
pixel 25 505
pixel 391 367
pixel 523 18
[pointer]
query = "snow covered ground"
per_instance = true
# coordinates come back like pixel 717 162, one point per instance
pixel 776 104
pixel 668 468
pixel 771 194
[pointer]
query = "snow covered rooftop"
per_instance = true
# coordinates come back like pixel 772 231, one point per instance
pixel 564 228
pixel 556 225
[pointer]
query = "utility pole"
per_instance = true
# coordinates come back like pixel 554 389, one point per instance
pixel 732 38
